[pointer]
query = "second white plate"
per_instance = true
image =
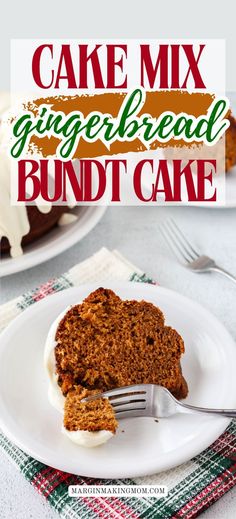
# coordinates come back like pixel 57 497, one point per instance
pixel 54 242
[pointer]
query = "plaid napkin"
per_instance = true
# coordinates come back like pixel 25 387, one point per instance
pixel 193 487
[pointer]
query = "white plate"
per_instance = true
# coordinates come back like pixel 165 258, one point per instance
pixel 54 242
pixel 145 446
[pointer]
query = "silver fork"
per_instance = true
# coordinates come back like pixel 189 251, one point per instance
pixel 188 254
pixel 151 400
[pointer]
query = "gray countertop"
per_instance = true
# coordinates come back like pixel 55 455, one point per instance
pixel 134 232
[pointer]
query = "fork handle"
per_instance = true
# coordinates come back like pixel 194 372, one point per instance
pixel 224 272
pixel 228 413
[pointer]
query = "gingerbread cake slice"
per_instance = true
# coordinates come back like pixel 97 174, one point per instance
pixel 104 343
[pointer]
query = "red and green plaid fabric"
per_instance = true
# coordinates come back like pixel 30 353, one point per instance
pixel 193 487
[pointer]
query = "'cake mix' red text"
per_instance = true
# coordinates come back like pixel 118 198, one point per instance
pixel 105 66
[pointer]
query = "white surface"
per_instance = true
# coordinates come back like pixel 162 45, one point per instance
pixel 208 366
pixel 134 231
pixel 54 242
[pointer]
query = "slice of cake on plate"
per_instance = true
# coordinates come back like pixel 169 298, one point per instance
pixel 105 343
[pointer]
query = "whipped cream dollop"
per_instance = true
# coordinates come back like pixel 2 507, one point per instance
pixel 55 396
pixel 87 438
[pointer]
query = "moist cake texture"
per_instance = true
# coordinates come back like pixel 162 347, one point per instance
pixel 105 343
pixel 96 415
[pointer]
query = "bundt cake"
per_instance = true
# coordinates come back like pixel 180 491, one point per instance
pixel 21 224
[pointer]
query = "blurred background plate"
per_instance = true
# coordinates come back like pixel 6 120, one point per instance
pixel 54 242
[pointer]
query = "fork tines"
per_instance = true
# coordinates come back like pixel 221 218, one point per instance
pixel 177 242
pixel 132 400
